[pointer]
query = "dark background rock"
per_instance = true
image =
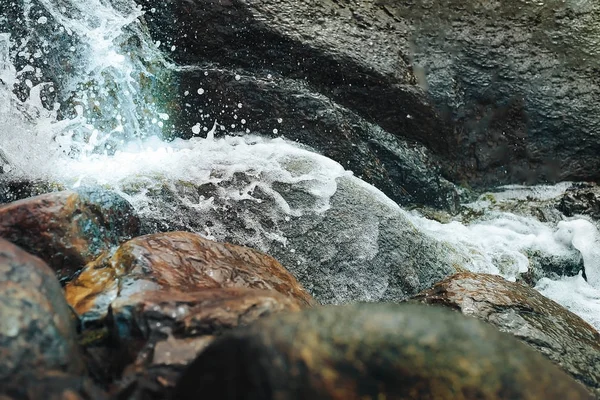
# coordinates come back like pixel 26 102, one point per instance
pixel 501 91
pixel 373 351
pixel 272 105
pixel 68 229
pixel 520 310
pixel 37 332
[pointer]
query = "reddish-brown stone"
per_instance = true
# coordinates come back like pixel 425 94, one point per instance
pixel 512 307
pixel 36 328
pixel 176 261
pixel 68 229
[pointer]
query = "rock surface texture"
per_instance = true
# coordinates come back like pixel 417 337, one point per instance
pixel 520 310
pixel 373 351
pixel 37 330
pixel 176 261
pixel 68 229
pixel 502 91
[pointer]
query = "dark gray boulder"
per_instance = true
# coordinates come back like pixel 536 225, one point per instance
pixel 503 92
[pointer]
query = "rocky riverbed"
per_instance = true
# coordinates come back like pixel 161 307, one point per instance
pixel 299 199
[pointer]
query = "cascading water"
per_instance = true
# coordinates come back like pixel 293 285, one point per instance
pixel 84 99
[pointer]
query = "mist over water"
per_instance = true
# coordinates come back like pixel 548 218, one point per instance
pixel 84 99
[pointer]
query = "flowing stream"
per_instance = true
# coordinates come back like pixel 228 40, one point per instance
pixel 84 99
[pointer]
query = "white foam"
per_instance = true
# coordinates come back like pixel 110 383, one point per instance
pixel 576 295
pixel 584 236
pixel 498 244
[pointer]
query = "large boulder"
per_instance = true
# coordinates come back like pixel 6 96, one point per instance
pixel 373 351
pixel 551 329
pixel 179 262
pixel 68 229
pixel 341 238
pixel 37 330
pixel 51 385
pixel 504 91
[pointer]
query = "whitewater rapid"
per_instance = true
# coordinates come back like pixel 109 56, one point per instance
pixel 108 131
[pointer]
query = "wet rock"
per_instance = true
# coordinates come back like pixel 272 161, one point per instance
pixel 341 238
pixel 156 334
pixel 68 229
pixel 581 199
pixel 373 351
pixel 51 385
pixel 13 189
pixel 504 92
pixel 274 106
pixel 36 328
pixel 551 329
pixel 178 261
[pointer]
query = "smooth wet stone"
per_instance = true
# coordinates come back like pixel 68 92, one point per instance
pixel 546 326
pixel 37 331
pixel 68 229
pixel 376 351
pixel 51 385
pixel 176 261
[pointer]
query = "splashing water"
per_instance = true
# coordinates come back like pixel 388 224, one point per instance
pixel 103 90
pixel 96 114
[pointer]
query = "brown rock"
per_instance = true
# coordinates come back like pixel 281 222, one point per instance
pixel 375 351
pixel 520 310
pixel 176 261
pixel 51 385
pixel 68 229
pixel 165 330
pixel 36 328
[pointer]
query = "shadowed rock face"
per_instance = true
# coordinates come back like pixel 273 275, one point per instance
pixel 68 229
pixel 36 327
pixel 374 351
pixel 520 310
pixel 158 333
pixel 504 91
pixel 179 261
pixel 51 385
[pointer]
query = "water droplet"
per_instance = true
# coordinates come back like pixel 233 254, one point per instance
pixel 200 91
pixel 42 20
pixel 275 131
pixel 196 129
pixel 237 77
pixel 239 105
pixel 280 120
